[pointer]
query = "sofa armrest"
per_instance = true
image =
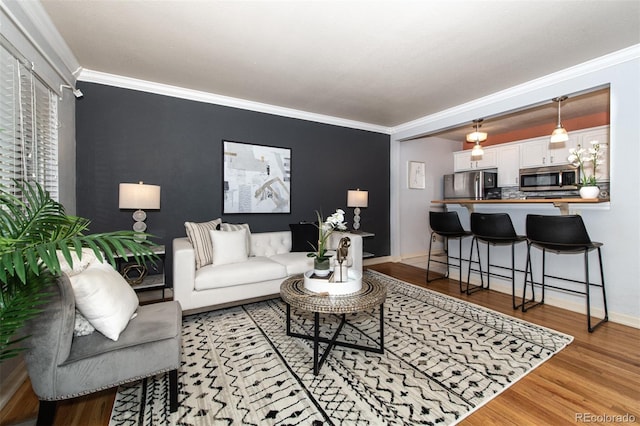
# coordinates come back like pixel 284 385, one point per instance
pixel 355 250
pixel 184 269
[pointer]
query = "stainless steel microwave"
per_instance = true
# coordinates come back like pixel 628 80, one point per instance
pixel 552 178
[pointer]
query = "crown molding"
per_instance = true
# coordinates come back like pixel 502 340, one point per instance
pixel 91 76
pixel 597 64
pixel 35 23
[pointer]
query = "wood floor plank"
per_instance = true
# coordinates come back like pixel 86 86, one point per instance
pixel 597 374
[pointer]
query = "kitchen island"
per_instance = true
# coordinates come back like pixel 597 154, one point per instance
pixel 561 203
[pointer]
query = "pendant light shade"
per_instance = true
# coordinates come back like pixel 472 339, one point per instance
pixel 477 151
pixel 477 136
pixel 559 133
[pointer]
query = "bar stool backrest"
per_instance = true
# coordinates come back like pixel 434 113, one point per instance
pixel 493 225
pixel 446 223
pixel 565 230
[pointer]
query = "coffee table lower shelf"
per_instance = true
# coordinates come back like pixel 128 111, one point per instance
pixel 372 295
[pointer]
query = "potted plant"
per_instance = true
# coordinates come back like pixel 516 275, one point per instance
pixel 33 230
pixel 580 158
pixel 325 229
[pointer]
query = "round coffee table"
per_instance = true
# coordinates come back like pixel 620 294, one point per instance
pixel 294 294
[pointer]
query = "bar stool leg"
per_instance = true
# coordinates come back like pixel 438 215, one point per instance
pixel 481 286
pixel 446 251
pixel 528 272
pixel 429 257
pixel 588 284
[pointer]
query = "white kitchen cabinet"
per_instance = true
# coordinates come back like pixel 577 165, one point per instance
pixel 508 162
pixel 540 153
pixel 601 135
pixel 462 160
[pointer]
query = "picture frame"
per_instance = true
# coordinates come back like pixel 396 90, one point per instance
pixel 255 178
pixel 416 175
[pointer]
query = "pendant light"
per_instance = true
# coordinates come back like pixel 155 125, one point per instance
pixel 559 133
pixel 477 136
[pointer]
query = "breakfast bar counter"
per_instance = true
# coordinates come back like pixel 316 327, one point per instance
pixel 561 203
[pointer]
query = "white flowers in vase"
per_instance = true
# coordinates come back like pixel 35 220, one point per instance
pixel 325 229
pixel 586 159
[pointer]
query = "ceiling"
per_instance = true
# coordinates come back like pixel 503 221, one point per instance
pixel 378 62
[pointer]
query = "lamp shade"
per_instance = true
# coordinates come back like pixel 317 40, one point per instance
pixel 477 151
pixel 139 196
pixel 559 135
pixel 477 136
pixel 357 198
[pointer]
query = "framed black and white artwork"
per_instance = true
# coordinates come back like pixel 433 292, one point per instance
pixel 256 178
pixel 416 175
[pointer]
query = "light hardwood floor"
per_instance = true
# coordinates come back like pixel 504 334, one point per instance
pixel 597 375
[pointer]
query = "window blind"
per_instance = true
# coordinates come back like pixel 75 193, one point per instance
pixel 28 127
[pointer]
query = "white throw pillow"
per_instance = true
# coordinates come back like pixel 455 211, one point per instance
pixel 224 226
pixel 229 246
pixel 105 299
pixel 79 265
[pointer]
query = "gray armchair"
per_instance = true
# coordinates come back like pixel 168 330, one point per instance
pixel 62 366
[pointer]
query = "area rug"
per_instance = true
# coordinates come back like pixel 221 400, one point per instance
pixel 443 359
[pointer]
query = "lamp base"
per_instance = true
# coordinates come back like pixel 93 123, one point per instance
pixel 139 226
pixel 356 218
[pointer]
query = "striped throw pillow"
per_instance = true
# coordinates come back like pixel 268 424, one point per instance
pixel 200 238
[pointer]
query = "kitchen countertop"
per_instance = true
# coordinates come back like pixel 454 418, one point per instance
pixel 561 203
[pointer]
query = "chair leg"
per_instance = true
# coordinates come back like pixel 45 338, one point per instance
pixel 528 272
pixel 588 285
pixel 46 413
pixel 470 262
pixel 481 286
pixel 173 391
pixel 429 258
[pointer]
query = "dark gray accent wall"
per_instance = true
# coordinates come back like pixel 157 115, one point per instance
pixel 129 136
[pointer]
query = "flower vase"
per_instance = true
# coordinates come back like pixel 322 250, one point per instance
pixel 589 192
pixel 321 267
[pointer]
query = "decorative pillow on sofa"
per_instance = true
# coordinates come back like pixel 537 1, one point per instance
pixel 198 234
pixel 82 327
pixel 79 265
pixel 304 236
pixel 229 246
pixel 236 227
pixel 104 298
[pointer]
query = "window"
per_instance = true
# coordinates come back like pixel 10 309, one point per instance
pixel 28 126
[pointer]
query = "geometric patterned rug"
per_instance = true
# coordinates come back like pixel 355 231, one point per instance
pixel 443 359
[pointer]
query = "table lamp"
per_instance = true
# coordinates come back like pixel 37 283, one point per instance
pixel 139 196
pixel 357 199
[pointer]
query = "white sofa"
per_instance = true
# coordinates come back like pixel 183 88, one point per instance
pixel 269 263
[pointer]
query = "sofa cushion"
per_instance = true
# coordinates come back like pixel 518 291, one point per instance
pixel 296 263
pixel 229 246
pixel 255 269
pixel 198 234
pixel 304 236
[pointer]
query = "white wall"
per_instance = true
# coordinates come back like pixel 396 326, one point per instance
pixel 437 154
pixel 618 227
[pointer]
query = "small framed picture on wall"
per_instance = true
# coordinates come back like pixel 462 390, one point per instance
pixel 416 175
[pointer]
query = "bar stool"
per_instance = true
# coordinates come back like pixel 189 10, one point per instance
pixel 447 225
pixel 493 229
pixel 562 235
